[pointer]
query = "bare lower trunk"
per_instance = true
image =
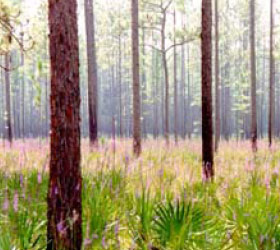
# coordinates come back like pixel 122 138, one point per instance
pixel 136 82
pixel 206 48
pixel 254 132
pixel 65 183
pixel 92 73
pixel 272 79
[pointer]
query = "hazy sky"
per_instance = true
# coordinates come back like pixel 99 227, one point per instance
pixel 31 7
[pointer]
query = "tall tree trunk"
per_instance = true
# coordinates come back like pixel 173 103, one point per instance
pixel 183 80
pixel 120 77
pixel 136 81
pixel 31 106
pixel 120 89
pixel 206 48
pixel 166 78
pixel 8 99
pixel 217 78
pixel 155 76
pixel 272 79
pixel 92 73
pixel 65 184
pixel 262 106
pixel 144 87
pixel 189 107
pixel 254 134
pixel 175 85
pixel 23 91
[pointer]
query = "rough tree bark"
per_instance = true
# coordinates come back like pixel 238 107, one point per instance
pixel 254 132
pixel 64 193
pixel 217 78
pixel 271 119
pixel 207 130
pixel 136 79
pixel 92 73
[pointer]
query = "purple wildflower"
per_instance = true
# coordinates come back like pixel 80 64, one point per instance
pixel 6 203
pixel 39 178
pixel 104 245
pixel 15 201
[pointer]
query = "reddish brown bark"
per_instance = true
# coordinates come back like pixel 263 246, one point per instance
pixel 64 194
pixel 207 127
pixel 136 83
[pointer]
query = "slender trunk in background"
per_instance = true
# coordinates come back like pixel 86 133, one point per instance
pixel 217 78
pixel 183 80
pixel 262 106
pixel 271 120
pixel 154 76
pixel 92 73
pixel 254 131
pixel 144 88
pixel 120 78
pixel 175 85
pixel 136 79
pixel 189 107
pixel 157 93
pixel 8 99
pixel 23 91
pixel 64 228
pixel 120 94
pixel 157 77
pixel 207 129
pixel 31 106
pixel 14 99
pixel 166 78
pixel 162 103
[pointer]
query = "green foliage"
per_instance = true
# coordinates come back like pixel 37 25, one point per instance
pixel 179 226
pixel 156 202
pixel 141 220
pixel 253 222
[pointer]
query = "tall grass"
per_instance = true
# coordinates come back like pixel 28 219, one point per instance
pixel 158 201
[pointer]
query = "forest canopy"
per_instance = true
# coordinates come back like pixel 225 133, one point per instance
pixel 139 124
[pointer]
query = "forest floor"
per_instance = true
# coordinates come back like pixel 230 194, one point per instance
pixel 158 200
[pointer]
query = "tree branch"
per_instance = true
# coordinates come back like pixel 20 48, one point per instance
pixel 181 43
